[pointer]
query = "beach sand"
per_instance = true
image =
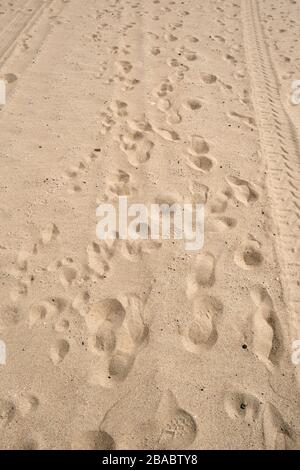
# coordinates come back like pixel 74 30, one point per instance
pixel 124 344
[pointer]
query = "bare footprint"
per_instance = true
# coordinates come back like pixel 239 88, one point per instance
pixel 267 337
pixel 202 273
pixel 59 351
pixel 199 192
pixel 201 163
pixel 201 333
pixel 242 190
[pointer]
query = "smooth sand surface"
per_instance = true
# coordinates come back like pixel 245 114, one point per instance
pixel 142 344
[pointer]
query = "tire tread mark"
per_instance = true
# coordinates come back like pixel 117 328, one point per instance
pixel 280 147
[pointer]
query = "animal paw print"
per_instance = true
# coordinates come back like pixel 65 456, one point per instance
pixel 120 185
pixel 135 144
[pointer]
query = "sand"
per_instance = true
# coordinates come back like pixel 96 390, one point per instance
pixel 143 344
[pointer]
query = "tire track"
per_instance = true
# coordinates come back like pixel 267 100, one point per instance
pixel 280 147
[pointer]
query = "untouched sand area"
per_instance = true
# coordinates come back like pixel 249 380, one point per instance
pixel 143 344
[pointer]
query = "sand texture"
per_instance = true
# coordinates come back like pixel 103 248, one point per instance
pixel 124 344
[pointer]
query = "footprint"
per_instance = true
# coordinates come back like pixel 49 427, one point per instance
pixel 202 273
pixel 200 162
pixel 242 190
pixel 104 340
pixel 130 84
pixel 10 77
pixel 42 312
pixel 202 332
pixel 67 276
pixel 124 66
pixel 230 58
pixel 28 404
pixel 219 38
pixel 110 311
pixel 139 125
pixel 173 117
pixel 121 333
pixel 190 55
pixel 220 224
pixel 120 185
pixel 93 440
pixel 243 406
pixel 136 146
pixel 219 203
pixel 197 158
pixel 208 78
pixel 62 325
pixel 199 192
pixel 170 37
pixel 138 331
pixel 155 51
pixel 173 62
pixel 198 145
pixel 28 444
pixel 171 428
pixel 119 108
pixel 163 104
pixel 59 351
pixel 277 434
pixel 163 89
pixel 107 122
pixel 249 256
pixel 191 39
pixel 49 234
pixel 22 260
pixel 193 104
pixel 97 261
pixel 267 337
pixel 167 134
